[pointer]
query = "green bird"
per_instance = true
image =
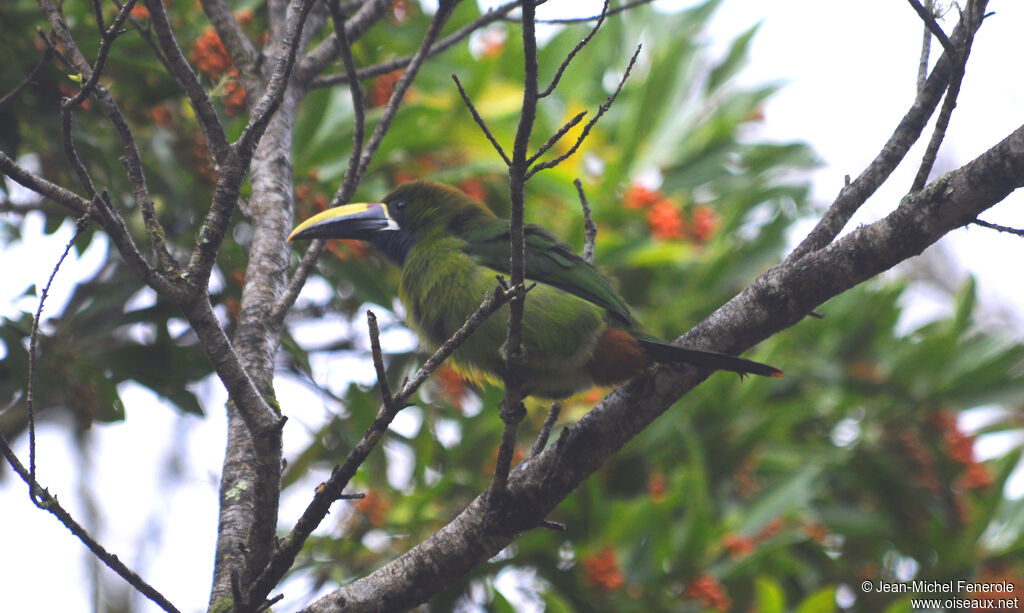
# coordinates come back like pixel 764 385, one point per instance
pixel 577 331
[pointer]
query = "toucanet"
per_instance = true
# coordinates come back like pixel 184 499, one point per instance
pixel 577 331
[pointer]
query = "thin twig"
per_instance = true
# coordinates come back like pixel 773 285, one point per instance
pixel 994 226
pixel 181 70
pixel 590 124
pixel 855 194
pixel 545 430
pixel 444 11
pixel 352 176
pixel 557 136
pixel 589 227
pixel 331 490
pixel 571 20
pixel 933 27
pixel 480 122
pixel 442 45
pixel 568 59
pixel 942 121
pixel 378 360
pixel 49 503
pixel 926 48
pixel 47 55
pixel 33 349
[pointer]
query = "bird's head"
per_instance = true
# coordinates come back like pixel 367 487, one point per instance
pixel 415 211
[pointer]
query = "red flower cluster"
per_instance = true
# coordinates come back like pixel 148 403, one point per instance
pixel 924 471
pixel 960 448
pixel 708 590
pixel 603 570
pixel 656 487
pixel 452 385
pixel 665 217
pixel 374 507
pixel 212 58
pixel 739 546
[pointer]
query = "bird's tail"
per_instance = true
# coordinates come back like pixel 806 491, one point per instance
pixel 667 353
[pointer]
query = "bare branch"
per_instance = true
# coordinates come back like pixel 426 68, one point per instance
pixel 444 11
pixel 182 72
pixel 267 105
pixel 590 124
pixel 568 59
pixel 45 501
pixel 331 490
pixel 442 45
pixel 942 121
pixel 997 227
pixel 853 195
pixel 589 227
pixel 929 21
pixel 33 349
pixel 511 408
pixel 352 174
pixel 615 11
pixel 240 49
pixel 132 159
pixel 47 55
pixel 926 48
pixel 480 122
pixel 232 172
pixel 557 136
pixel 378 361
pixel 545 430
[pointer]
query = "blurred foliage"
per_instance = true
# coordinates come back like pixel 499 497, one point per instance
pixel 762 495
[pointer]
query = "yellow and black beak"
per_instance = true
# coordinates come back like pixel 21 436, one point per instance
pixel 357 221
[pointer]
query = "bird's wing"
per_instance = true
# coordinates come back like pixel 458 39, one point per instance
pixel 549 261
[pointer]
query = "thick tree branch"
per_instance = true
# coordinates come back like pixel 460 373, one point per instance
pixel 348 185
pixel 778 299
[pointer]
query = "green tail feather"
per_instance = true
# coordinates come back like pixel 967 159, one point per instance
pixel 667 353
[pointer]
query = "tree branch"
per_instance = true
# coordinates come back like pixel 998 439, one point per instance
pixel 512 410
pixel 182 72
pixel 240 49
pixel 590 124
pixel 948 104
pixel 933 27
pixel 41 496
pixel 852 196
pixel 331 490
pixel 442 45
pixel 778 299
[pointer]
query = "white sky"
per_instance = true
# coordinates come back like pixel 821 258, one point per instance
pixel 850 71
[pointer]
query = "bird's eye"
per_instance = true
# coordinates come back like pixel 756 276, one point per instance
pixel 401 205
